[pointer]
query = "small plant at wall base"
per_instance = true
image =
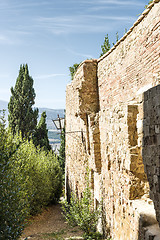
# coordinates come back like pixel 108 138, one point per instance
pixel 81 212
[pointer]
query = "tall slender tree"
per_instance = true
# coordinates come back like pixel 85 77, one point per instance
pixel 22 117
pixel 40 137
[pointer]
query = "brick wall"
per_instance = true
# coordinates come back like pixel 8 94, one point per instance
pixel 106 130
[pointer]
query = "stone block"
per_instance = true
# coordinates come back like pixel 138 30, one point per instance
pixel 158 139
pixel 157 129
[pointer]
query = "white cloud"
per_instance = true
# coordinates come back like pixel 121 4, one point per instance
pixel 17 5
pixel 112 2
pixel 79 54
pixel 4 39
pixel 81 23
pixel 53 75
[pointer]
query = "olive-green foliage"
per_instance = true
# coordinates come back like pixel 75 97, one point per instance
pixel 106 45
pixel 117 38
pixel 22 117
pixel 73 69
pixel 81 212
pixel 30 178
pixel 39 173
pixel 40 137
pixel 13 203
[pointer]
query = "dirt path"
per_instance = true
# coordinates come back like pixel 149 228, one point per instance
pixel 51 224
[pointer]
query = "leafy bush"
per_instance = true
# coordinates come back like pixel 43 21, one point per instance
pixel 30 178
pixel 12 206
pixel 39 174
pixel 81 212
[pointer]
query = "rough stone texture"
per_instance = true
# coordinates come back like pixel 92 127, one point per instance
pixel 82 101
pixel 151 144
pixel 113 128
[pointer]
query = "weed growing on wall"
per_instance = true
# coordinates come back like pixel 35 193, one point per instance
pixel 148 3
pixel 81 212
pixel 73 69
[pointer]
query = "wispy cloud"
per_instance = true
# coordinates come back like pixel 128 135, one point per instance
pixel 80 54
pixel 80 24
pixel 17 5
pixel 4 39
pixel 47 76
pixel 112 2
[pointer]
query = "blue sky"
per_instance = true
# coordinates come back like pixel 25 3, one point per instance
pixel 52 35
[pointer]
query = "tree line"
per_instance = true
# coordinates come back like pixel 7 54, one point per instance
pixel 30 173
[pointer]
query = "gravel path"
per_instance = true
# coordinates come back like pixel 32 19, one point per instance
pixel 50 224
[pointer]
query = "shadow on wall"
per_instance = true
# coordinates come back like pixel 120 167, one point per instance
pixel 151 154
pixel 68 189
pixel 151 144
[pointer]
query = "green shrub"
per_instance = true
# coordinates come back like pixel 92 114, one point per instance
pixel 30 178
pixel 12 203
pixel 39 174
pixel 81 212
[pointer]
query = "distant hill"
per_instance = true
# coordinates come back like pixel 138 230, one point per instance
pixel 51 114
pixel 53 135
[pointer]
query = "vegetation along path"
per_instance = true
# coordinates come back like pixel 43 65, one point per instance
pixel 50 224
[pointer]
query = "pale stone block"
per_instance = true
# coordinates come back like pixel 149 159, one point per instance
pixel 140 126
pixel 157 128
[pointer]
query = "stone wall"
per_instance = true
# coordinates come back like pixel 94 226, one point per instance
pixel 133 65
pixel 151 144
pixel 106 131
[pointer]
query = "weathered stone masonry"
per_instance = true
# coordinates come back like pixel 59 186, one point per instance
pixel 113 125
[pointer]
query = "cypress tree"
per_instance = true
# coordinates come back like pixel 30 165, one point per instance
pixel 40 137
pixel 22 117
